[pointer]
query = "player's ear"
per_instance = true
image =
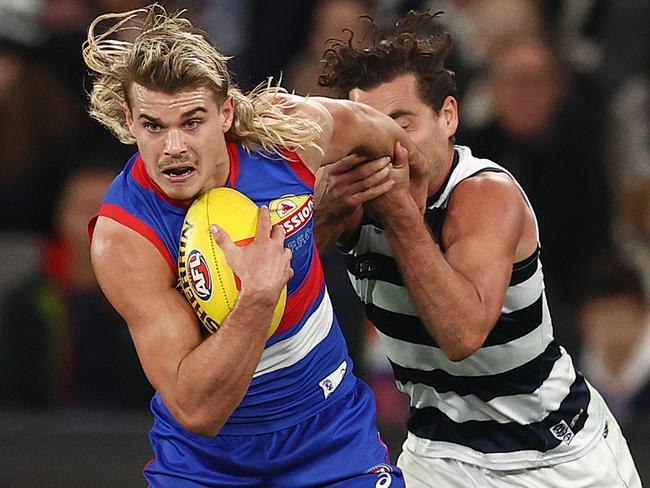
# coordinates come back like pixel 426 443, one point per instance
pixel 227 113
pixel 128 116
pixel 449 116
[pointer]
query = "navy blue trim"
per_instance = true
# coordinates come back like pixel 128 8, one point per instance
pixel 410 328
pixel 521 380
pixel 493 437
pixel 374 266
pixel 524 269
pixel 435 217
pixel 407 328
pixel 516 324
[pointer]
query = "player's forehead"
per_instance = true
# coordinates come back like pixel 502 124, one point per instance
pixel 398 93
pixel 144 100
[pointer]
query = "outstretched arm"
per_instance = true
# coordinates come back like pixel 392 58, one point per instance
pixel 201 379
pixel 355 128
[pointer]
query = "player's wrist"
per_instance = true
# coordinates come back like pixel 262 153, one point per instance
pixel 261 298
pixel 402 213
pixel 397 206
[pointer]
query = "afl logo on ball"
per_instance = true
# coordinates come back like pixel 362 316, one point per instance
pixel 199 275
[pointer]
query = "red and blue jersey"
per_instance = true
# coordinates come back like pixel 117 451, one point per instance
pixel 305 365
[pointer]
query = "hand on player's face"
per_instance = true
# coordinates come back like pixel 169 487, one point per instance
pixel 404 188
pixel 264 265
pixel 345 185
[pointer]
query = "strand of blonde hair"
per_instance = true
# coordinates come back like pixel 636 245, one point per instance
pixel 262 119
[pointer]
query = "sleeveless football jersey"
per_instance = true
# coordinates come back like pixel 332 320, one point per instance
pixel 305 365
pixel 518 401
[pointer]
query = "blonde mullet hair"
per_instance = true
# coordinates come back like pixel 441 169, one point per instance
pixel 169 55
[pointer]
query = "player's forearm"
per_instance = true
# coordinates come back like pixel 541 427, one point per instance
pixel 330 229
pixel 326 231
pixel 446 302
pixel 360 129
pixel 213 379
pixel 376 133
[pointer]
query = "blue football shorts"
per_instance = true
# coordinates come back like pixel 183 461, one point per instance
pixel 339 447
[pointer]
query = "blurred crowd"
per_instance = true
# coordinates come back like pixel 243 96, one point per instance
pixel 557 91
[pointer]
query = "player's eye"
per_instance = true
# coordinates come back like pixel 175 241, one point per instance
pixel 192 124
pixel 151 127
pixel 403 122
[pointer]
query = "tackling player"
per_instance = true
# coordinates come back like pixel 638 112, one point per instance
pixel 458 295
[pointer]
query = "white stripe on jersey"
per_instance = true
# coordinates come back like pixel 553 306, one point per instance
pixel 523 409
pixel 388 296
pixel 525 293
pixel 489 360
pixel 396 299
pixel 372 239
pixel 289 351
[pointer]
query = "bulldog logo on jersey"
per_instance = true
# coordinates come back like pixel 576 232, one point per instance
pixel 292 212
pixel 199 275
pixel 285 207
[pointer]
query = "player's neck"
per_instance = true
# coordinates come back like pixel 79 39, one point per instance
pixel 221 171
pixel 439 175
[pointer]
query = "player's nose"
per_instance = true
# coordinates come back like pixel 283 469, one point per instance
pixel 175 143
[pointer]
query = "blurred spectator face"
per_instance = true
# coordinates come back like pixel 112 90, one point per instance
pixel 637 211
pixel 11 68
pixel 121 5
pixel 330 19
pixel 598 315
pixel 527 88
pixel 80 200
pixel 498 20
pixel 65 15
pixel 612 325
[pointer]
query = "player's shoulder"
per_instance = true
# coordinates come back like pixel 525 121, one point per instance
pixel 122 258
pixel 113 237
pixel 488 198
pixel 488 182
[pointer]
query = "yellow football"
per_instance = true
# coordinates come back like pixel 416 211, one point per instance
pixel 208 283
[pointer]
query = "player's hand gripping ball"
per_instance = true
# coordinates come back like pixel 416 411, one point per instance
pixel 207 280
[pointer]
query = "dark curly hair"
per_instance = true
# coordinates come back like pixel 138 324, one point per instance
pixel 411 46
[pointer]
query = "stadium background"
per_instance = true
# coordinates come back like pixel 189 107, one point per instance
pixel 556 90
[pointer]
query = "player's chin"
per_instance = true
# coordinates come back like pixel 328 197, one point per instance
pixel 182 192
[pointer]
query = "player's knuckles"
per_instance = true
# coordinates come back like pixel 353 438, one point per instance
pixel 278 232
pixel 350 161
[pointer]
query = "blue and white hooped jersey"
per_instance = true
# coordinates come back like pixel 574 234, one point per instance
pixel 517 402
pixel 305 365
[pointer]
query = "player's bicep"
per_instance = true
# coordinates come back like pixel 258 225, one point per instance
pixel 139 284
pixel 482 230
